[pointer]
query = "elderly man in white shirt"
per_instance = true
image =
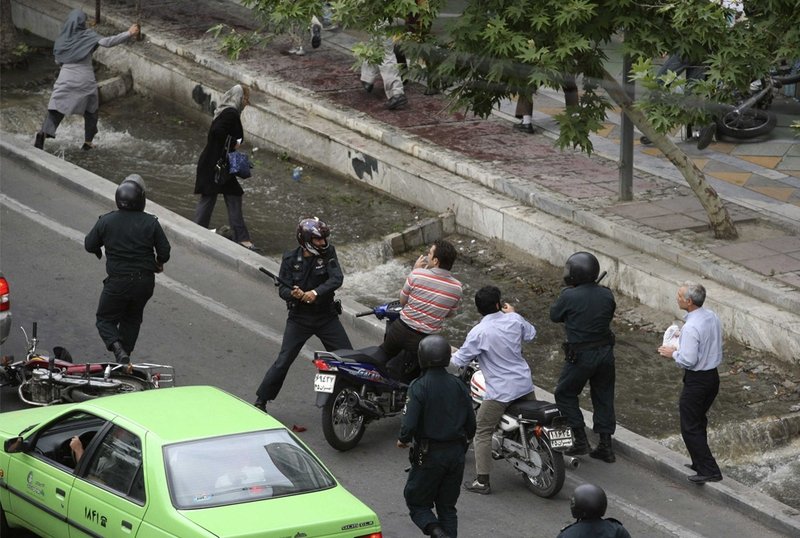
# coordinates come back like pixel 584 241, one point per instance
pixel 699 352
pixel 496 342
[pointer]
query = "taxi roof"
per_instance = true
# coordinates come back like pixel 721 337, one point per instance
pixel 182 413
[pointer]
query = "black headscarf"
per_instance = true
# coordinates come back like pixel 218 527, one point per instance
pixel 75 42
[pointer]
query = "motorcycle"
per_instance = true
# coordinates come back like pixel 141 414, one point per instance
pixel 530 436
pixel 751 117
pixel 354 389
pixel 43 380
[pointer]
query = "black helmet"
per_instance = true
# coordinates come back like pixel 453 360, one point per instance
pixel 433 352
pixel 581 268
pixel 130 194
pixel 310 228
pixel 588 502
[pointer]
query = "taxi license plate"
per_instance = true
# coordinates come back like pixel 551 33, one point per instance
pixel 561 438
pixel 324 383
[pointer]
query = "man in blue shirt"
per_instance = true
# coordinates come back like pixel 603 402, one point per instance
pixel 496 343
pixel 699 352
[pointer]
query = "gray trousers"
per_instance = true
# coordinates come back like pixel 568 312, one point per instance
pixel 388 71
pixel 488 417
pixel 205 207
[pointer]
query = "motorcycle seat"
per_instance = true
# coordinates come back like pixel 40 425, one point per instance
pixel 370 355
pixel 538 410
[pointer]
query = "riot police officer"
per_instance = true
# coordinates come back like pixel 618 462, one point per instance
pixel 439 418
pixel 136 248
pixel 586 310
pixel 588 505
pixel 315 275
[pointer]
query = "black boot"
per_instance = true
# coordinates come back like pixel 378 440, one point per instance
pixel 580 444
pixel 604 450
pixel 39 141
pixel 119 353
pixel 434 530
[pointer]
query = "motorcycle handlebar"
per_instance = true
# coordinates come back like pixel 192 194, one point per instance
pixel 365 313
pixel 33 332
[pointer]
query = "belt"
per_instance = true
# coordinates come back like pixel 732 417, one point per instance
pixel 404 324
pixel 583 346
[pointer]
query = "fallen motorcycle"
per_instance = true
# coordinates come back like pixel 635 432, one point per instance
pixel 43 380
pixel 530 436
pixel 354 389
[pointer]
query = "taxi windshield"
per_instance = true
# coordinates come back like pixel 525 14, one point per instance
pixel 241 468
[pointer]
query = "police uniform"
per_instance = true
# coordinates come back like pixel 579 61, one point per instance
pixel 595 528
pixel 320 318
pixel 586 311
pixel 439 417
pixel 130 239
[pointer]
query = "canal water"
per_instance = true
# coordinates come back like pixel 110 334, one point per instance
pixel 138 135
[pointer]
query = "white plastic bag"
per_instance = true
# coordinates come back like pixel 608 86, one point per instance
pixel 671 335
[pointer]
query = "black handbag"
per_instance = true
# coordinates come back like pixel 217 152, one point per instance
pixel 221 169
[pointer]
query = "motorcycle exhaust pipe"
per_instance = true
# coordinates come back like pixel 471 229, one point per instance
pixel 572 462
pixel 366 407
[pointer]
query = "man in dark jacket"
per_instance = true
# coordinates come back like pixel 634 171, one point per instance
pixel 586 310
pixel 315 275
pixel 136 248
pixel 439 418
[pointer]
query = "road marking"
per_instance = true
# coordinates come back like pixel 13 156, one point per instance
pixel 185 291
pixel 644 516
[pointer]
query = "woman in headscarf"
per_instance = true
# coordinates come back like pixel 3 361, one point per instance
pixel 226 123
pixel 75 90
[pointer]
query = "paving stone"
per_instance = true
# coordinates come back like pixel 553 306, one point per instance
pixel 739 252
pixel 773 265
pixel 784 243
pixel 771 147
pixel 674 222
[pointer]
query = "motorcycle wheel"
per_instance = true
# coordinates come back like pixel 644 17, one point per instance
pixel 83 393
pixel 551 478
pixel 342 424
pixel 750 123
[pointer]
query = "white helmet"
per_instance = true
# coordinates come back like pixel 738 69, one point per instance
pixel 477 387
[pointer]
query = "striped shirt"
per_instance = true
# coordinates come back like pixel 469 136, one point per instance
pixel 430 296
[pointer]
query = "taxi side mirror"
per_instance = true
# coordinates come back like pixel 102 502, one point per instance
pixel 15 444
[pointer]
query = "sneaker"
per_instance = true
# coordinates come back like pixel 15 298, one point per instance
pixel 300 51
pixel 477 487
pixel 525 127
pixel 87 146
pixel 645 141
pixel 368 86
pixel 260 404
pixel 316 35
pixel 397 101
pixel 706 135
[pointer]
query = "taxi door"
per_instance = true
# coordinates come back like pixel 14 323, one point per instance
pixel 39 492
pixel 108 497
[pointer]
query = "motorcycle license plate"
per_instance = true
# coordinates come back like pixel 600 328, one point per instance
pixel 560 438
pixel 324 383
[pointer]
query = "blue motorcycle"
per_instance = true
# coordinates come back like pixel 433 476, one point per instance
pixel 353 387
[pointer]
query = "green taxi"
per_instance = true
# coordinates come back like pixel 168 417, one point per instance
pixel 179 462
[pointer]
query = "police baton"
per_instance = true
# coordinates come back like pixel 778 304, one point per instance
pixel 276 278
pixel 601 277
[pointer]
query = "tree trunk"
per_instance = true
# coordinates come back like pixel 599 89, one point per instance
pixel 718 215
pixel 8 35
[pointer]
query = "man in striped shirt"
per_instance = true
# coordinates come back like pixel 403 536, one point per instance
pixel 430 295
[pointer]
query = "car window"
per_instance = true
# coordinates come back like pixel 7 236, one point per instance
pixel 52 443
pixel 117 464
pixel 241 468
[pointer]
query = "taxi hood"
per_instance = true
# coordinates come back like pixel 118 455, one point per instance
pixel 330 513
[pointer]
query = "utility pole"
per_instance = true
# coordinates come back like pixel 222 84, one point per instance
pixel 626 139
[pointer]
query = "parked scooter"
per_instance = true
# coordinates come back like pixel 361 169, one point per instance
pixel 43 380
pixel 353 387
pixel 530 436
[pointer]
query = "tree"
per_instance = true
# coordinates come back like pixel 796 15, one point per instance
pixel 499 48
pixel 12 49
